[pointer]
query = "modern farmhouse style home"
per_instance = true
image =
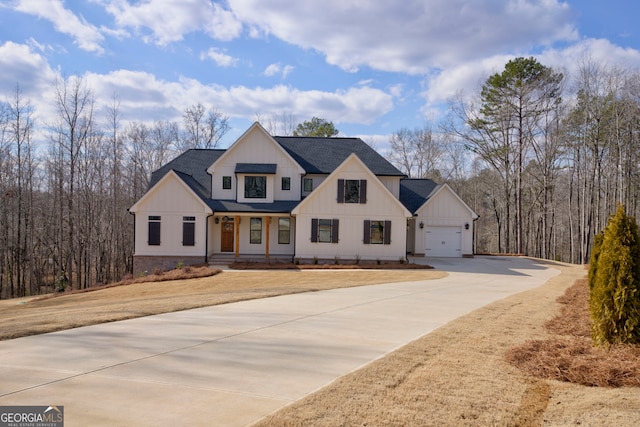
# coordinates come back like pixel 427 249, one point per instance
pixel 294 198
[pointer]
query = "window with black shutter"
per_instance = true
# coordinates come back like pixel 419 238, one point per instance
pixel 325 230
pixel 376 232
pixel 352 191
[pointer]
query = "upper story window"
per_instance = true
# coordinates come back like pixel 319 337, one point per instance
pixel 255 187
pixel 307 185
pixel 226 183
pixel 286 183
pixel 352 191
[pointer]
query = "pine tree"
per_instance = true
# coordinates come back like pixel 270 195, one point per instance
pixel 615 291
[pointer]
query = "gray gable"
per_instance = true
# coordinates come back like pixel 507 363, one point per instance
pixel 192 163
pixel 415 192
pixel 324 155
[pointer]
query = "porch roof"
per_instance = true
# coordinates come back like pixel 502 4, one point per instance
pixel 284 206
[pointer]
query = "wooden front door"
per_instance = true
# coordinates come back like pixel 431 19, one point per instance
pixel 226 240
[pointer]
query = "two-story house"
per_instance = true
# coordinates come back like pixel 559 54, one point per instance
pixel 284 198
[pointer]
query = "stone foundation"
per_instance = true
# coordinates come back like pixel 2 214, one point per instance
pixel 149 264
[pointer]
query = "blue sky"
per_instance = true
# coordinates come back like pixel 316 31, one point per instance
pixel 371 67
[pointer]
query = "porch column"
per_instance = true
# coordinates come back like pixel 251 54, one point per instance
pixel 237 239
pixel 268 224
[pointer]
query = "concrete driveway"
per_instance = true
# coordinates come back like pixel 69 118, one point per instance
pixel 233 364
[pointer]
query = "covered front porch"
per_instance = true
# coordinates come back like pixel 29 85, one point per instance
pixel 250 236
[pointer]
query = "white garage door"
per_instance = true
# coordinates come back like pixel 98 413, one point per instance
pixel 443 241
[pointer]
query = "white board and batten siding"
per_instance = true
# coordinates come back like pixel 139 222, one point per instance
pixel 172 201
pixel 448 226
pixel 381 205
pixel 256 146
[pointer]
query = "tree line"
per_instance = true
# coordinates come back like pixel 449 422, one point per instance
pixel 65 186
pixel 542 157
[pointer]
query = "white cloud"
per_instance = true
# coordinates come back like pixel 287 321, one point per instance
pixel 20 65
pixel 415 37
pixel 219 57
pixel 277 68
pixel 85 35
pixel 467 78
pixel 170 21
pixel 144 97
pixel 272 70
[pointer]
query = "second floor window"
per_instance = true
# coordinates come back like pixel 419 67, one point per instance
pixel 307 185
pixel 255 187
pixel 286 183
pixel 226 183
pixel 352 191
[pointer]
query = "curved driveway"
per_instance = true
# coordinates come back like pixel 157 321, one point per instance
pixel 232 364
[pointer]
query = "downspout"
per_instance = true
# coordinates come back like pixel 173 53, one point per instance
pixel 206 238
pixel 134 238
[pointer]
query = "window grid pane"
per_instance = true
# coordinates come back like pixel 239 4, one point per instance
pixel 284 231
pixel 226 183
pixel 307 184
pixel 324 230
pixel 255 187
pixel 352 191
pixel 377 232
pixel 255 236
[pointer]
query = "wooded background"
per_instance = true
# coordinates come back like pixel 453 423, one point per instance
pixel 542 157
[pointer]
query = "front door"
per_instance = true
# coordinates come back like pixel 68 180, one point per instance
pixel 226 242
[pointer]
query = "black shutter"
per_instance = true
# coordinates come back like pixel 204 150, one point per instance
pixel 188 234
pixel 366 236
pixel 154 233
pixel 387 233
pixel 314 230
pixel 341 191
pixel 334 230
pixel 363 191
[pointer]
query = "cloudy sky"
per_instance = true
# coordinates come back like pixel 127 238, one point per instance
pixel 371 67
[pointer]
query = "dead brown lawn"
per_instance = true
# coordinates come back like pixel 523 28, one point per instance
pixel 458 376
pixel 29 316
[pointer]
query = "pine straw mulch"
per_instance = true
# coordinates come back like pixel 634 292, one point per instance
pixel 570 355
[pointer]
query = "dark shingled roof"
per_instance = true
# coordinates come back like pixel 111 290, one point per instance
pixel 266 168
pixel 192 164
pixel 315 155
pixel 324 155
pixel 415 192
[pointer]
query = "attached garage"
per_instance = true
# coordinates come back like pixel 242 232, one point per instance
pixel 443 241
pixel 442 224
